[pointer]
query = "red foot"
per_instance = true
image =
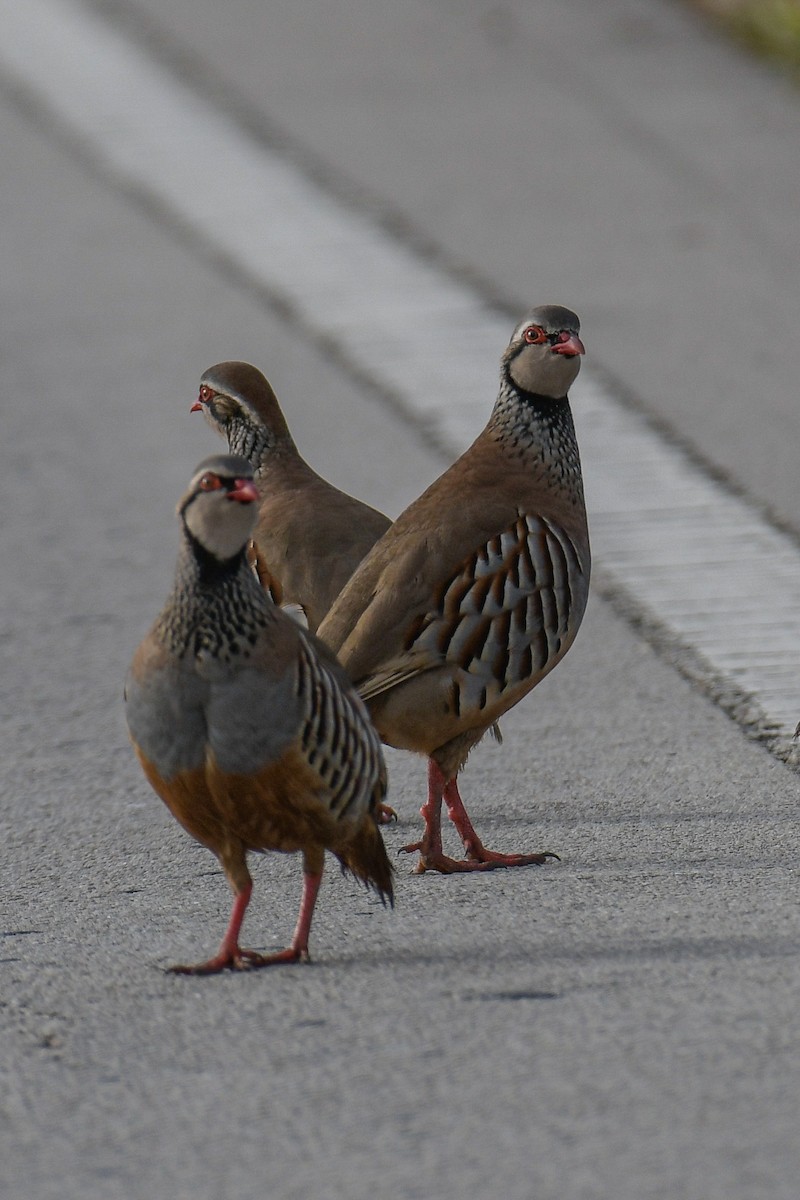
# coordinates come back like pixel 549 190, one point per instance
pixel 239 960
pixel 384 814
pixel 434 860
pixel 231 957
pixel 478 858
pixel 492 858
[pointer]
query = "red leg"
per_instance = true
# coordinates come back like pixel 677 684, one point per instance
pixel 430 845
pixel 298 950
pixel 431 854
pixel 231 955
pixel 478 856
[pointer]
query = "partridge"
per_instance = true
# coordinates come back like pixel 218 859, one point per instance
pixel 310 536
pixel 245 725
pixel 478 589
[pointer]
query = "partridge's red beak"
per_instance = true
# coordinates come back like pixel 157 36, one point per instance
pixel 569 344
pixel 197 406
pixel 243 490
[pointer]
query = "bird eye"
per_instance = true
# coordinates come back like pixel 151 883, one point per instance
pixel 210 482
pixel 535 335
pixel 205 393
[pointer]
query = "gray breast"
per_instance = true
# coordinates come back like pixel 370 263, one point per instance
pixel 166 719
pixel 251 718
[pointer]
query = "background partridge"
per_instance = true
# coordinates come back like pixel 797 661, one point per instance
pixel 245 724
pixel 479 587
pixel 310 536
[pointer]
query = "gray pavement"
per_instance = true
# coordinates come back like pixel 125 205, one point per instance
pixel 617 155
pixel 620 1025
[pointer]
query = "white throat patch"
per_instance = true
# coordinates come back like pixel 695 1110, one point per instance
pixel 221 526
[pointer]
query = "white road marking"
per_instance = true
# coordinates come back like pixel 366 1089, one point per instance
pixel 702 563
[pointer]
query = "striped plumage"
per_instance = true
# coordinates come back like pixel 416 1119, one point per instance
pixel 335 735
pixel 245 724
pixel 504 614
pixel 478 589
pixel 310 535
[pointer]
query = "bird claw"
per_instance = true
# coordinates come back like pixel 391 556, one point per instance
pixel 480 854
pixel 241 960
pixel 291 954
pixel 212 966
pixel 384 814
pixel 478 859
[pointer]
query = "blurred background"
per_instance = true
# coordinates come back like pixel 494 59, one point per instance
pixel 361 198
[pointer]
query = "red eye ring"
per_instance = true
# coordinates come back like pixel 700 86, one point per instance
pixel 206 393
pixel 210 482
pixel 535 336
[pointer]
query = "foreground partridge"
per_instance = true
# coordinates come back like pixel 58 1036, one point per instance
pixel 310 536
pixel 479 587
pixel 245 725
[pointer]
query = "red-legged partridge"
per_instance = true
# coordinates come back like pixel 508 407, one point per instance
pixel 310 536
pixel 245 724
pixel 479 587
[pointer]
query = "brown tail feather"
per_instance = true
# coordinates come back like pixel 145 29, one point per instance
pixel 365 857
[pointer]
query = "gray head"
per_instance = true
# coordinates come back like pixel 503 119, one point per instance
pixel 220 506
pixel 238 401
pixel 543 355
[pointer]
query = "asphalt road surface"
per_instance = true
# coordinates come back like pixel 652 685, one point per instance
pixel 620 1025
